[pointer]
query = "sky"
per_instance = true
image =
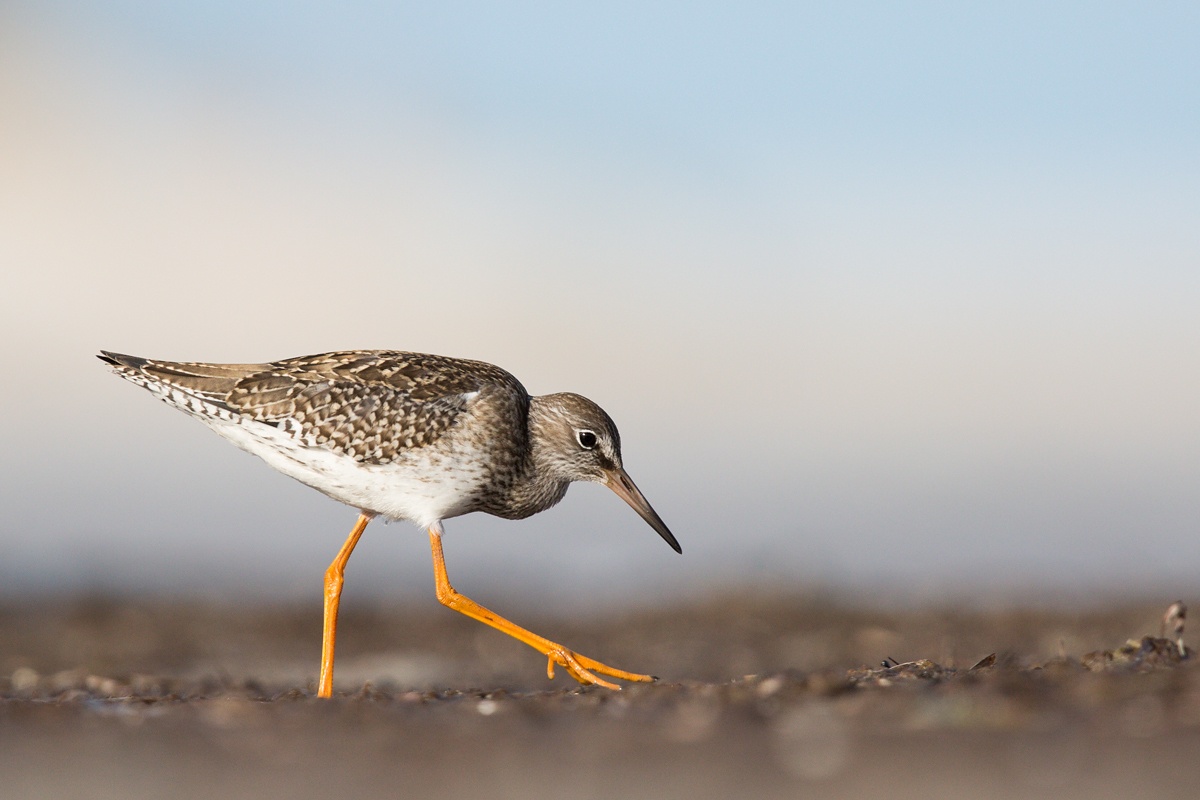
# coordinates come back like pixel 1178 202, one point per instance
pixel 883 299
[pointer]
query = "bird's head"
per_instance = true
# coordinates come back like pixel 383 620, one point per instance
pixel 575 440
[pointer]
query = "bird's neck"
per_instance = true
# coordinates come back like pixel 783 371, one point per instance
pixel 536 484
pixel 533 492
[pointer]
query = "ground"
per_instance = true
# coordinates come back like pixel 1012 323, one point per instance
pixel 760 695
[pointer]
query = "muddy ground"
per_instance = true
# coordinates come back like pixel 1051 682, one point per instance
pixel 760 696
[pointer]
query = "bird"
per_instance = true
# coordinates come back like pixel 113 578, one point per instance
pixel 409 436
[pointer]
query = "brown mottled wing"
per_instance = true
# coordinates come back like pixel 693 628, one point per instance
pixel 369 405
pixel 210 382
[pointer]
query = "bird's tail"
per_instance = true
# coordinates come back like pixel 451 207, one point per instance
pixel 174 381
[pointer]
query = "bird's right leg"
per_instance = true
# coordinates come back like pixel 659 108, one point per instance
pixel 579 667
pixel 334 578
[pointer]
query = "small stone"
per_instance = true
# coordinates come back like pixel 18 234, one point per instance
pixel 24 679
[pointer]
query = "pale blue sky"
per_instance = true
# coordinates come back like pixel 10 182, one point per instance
pixel 878 295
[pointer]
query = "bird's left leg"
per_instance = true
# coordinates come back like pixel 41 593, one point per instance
pixel 581 668
pixel 334 578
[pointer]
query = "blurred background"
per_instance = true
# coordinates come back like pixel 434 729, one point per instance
pixel 888 301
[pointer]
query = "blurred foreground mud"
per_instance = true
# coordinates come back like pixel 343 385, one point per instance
pixel 760 696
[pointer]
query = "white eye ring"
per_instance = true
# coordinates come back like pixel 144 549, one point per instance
pixel 587 439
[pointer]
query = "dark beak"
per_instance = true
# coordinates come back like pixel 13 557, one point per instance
pixel 617 480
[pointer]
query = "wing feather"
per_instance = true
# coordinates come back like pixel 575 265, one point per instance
pixel 371 405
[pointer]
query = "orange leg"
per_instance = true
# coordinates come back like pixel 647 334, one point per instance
pixel 578 667
pixel 334 578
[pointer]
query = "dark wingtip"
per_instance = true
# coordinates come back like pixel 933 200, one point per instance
pixel 120 359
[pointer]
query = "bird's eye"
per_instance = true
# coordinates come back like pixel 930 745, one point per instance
pixel 587 439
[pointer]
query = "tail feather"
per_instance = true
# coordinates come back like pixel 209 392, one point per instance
pixel 121 360
pixel 212 382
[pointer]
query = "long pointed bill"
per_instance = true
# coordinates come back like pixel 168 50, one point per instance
pixel 618 480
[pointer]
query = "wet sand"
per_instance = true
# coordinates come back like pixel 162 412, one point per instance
pixel 759 696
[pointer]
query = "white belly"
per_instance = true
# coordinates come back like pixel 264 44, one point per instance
pixel 431 484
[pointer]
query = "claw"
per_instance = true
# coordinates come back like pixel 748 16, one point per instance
pixel 571 663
